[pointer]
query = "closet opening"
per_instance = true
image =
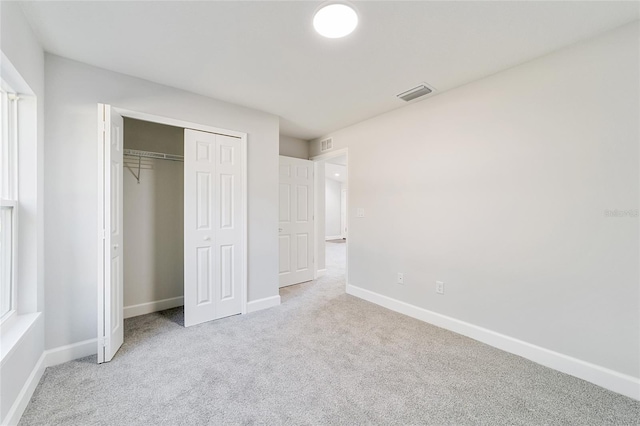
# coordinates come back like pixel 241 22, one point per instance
pixel 172 224
pixel 153 223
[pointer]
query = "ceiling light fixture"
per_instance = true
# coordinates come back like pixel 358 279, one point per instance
pixel 335 20
pixel 337 174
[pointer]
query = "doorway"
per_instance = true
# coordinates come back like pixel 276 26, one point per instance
pixel 332 226
pixel 153 219
pixel 215 223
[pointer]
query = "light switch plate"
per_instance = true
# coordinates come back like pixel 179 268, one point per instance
pixel 359 212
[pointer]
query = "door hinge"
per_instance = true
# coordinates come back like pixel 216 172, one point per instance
pixel 104 234
pixel 105 342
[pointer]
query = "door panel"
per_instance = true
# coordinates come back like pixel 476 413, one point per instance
pixel 213 227
pixel 296 221
pixel 110 318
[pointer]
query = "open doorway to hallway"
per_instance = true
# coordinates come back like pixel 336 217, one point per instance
pixel 330 224
pixel 335 214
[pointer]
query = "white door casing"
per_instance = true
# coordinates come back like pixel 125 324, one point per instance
pixel 343 213
pixel 110 279
pixel 296 221
pixel 213 227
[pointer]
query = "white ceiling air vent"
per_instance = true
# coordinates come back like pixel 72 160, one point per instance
pixel 326 144
pixel 420 90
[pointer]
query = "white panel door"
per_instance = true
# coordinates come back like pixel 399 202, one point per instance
pixel 111 304
pixel 228 248
pixel 295 221
pixel 213 246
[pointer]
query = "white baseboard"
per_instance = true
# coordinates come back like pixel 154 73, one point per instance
pixel 150 307
pixel 337 237
pixel 21 402
pixel 49 358
pixel 67 353
pixel 601 376
pixel 321 272
pixel 260 304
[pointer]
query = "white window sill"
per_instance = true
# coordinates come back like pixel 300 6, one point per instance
pixel 13 331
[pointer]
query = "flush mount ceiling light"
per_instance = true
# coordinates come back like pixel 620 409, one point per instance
pixel 335 20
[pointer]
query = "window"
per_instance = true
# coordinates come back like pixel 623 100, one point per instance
pixel 8 199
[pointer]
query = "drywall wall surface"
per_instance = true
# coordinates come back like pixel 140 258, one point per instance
pixel 518 191
pixel 153 215
pixel 73 91
pixel 294 147
pixel 23 51
pixel 154 137
pixel 332 207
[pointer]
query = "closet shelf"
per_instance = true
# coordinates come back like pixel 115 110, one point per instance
pixel 156 155
pixel 139 155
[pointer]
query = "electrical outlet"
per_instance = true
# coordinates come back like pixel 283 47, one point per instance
pixel 439 287
pixel 359 212
pixel 400 278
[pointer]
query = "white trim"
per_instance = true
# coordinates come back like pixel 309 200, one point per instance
pixel 321 272
pixel 100 232
pixel 150 307
pixel 21 402
pixel 70 352
pixel 178 123
pixel 332 154
pixel 245 223
pixel 333 237
pixel 260 304
pixel 601 376
pixel 49 358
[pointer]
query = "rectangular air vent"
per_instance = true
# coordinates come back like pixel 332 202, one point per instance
pixel 326 145
pixel 416 92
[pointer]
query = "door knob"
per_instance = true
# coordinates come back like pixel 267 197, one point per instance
pixel 279 229
pixel 115 246
pixel 207 238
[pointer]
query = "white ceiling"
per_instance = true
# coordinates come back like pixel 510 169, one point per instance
pixel 265 55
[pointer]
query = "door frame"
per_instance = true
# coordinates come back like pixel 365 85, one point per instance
pixel 319 161
pixel 185 125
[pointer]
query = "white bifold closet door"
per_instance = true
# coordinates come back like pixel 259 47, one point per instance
pixel 212 227
pixel 111 275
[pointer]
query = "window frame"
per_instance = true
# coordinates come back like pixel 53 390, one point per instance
pixel 9 195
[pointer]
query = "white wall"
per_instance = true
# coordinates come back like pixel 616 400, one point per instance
pixel 153 216
pixel 294 147
pixel 26 56
pixel 73 90
pixel 499 188
pixel 332 206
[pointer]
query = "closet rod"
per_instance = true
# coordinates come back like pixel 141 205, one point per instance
pixel 148 154
pixel 156 155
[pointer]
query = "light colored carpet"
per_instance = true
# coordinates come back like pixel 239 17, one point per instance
pixel 322 357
